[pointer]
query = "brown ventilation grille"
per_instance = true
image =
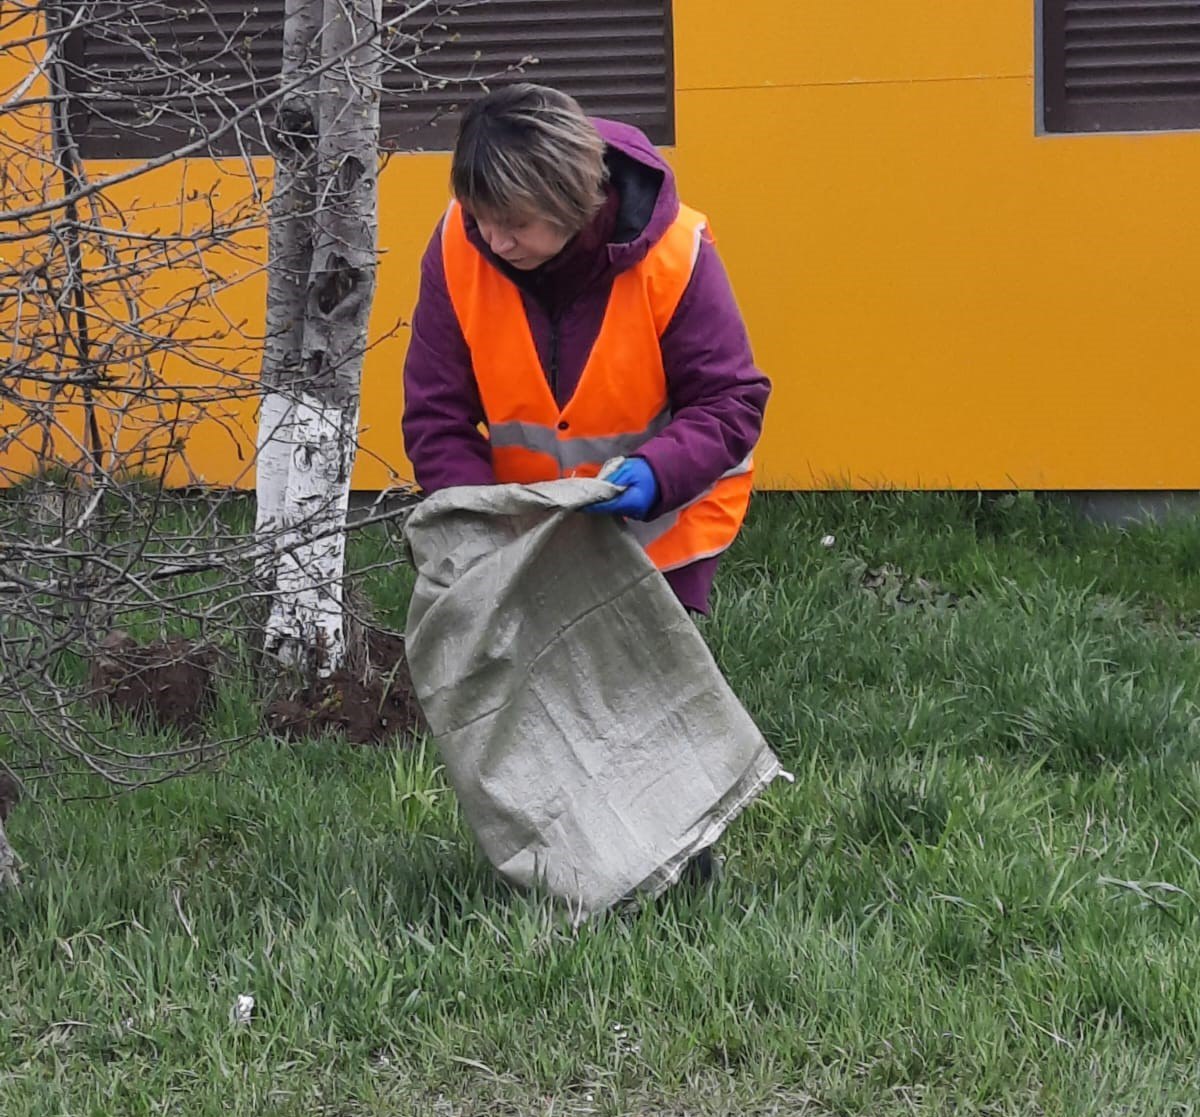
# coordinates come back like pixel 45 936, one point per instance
pixel 1115 65
pixel 615 57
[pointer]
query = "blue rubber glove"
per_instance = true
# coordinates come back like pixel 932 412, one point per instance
pixel 640 495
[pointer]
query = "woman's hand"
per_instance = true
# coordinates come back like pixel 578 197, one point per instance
pixel 640 495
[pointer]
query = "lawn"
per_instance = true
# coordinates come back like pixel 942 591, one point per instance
pixel 978 897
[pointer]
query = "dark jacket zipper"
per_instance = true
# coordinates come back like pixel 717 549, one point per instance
pixel 554 323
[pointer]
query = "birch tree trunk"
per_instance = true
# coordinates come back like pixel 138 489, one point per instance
pixel 306 622
pixel 8 862
pixel 289 257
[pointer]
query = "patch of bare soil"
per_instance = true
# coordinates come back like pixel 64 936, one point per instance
pixel 370 704
pixel 168 684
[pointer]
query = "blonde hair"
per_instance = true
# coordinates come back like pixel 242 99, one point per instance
pixel 525 151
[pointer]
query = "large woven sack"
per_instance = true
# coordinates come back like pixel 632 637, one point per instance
pixel 590 737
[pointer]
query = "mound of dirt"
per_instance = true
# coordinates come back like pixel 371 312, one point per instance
pixel 369 706
pixel 159 685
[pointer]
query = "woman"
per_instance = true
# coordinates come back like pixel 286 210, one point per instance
pixel 575 310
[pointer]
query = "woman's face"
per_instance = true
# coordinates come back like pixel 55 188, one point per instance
pixel 524 243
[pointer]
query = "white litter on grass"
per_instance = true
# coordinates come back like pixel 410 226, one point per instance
pixel 243 1009
pixel 828 540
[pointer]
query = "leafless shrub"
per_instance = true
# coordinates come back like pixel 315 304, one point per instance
pixel 121 573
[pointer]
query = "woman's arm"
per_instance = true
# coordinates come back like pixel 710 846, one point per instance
pixel 717 394
pixel 442 410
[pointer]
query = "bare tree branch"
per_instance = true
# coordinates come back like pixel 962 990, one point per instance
pixel 205 142
pixel 117 344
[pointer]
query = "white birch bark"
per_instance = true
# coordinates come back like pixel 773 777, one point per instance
pixel 289 254
pixel 306 623
pixel 8 862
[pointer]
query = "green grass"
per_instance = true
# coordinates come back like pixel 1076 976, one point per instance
pixel 978 897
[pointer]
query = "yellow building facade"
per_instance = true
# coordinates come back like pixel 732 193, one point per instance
pixel 942 296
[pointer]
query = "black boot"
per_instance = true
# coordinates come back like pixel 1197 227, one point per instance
pixel 701 869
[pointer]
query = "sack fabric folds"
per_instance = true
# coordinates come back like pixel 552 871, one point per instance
pixel 590 737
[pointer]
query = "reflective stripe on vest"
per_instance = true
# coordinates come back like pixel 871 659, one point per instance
pixel 621 399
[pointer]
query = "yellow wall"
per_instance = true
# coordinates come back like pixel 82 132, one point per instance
pixel 941 296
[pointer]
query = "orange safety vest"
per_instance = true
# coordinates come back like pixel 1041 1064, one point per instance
pixel 621 400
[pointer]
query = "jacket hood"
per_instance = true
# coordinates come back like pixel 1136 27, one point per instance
pixel 646 184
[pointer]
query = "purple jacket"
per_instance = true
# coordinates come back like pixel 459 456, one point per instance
pixel 717 395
